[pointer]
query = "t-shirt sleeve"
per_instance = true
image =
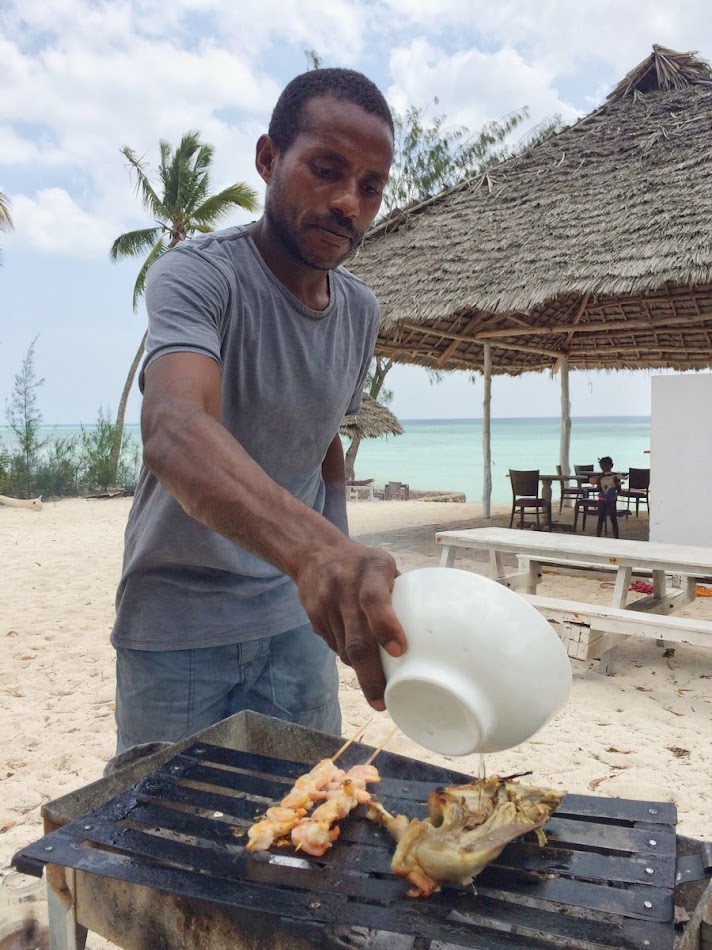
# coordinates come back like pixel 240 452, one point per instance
pixel 187 298
pixel 355 404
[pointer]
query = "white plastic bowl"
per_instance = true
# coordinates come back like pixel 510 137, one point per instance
pixel 483 670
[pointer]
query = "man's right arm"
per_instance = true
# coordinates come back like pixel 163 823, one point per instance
pixel 344 587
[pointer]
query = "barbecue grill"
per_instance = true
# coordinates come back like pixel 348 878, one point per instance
pixel 154 857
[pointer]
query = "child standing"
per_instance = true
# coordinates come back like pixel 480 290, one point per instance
pixel 608 488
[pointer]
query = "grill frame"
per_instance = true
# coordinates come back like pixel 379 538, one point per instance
pixel 514 907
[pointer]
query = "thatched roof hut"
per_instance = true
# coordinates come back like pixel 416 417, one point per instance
pixel 371 421
pixel 593 248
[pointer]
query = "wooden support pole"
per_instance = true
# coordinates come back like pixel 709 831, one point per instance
pixel 565 444
pixel 486 439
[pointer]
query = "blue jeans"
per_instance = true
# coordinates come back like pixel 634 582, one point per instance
pixel 163 696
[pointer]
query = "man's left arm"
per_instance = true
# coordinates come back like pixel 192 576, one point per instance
pixel 334 474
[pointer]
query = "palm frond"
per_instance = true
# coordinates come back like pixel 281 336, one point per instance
pixel 133 243
pixel 178 172
pixel 5 216
pixel 165 150
pixel 195 183
pixel 199 193
pixel 217 206
pixel 157 250
pixel 204 158
pixel 150 199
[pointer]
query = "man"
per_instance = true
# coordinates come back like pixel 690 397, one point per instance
pixel 240 583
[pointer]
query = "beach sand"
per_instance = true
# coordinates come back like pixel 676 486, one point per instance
pixel 643 733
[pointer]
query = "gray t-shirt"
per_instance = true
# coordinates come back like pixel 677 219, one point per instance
pixel 289 375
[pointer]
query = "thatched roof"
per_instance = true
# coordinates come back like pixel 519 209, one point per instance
pixel 371 421
pixel 595 244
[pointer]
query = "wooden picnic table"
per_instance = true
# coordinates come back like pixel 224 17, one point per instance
pixel 675 570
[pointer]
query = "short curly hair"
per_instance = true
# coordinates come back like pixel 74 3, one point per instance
pixel 346 84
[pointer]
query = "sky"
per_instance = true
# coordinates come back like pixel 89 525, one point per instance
pixel 82 78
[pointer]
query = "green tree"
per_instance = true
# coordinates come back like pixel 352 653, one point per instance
pixel 181 203
pixel 430 155
pixel 97 471
pixel 59 468
pixel 24 419
pixel 549 126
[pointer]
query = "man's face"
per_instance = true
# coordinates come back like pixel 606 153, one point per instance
pixel 326 189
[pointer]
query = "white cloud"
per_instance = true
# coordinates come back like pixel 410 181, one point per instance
pixel 472 86
pixel 81 78
pixel 560 35
pixel 53 222
pixel 22 150
pixel 335 28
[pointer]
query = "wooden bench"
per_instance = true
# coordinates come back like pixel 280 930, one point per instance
pixel 674 570
pixel 594 630
pixel 553 565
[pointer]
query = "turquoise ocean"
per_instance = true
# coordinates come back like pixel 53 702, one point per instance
pixel 446 454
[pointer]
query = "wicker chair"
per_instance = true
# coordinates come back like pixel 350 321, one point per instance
pixel 397 491
pixel 583 472
pixel 525 498
pixel 637 488
pixel 569 491
pixel 588 505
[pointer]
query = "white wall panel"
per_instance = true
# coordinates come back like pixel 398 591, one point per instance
pixel 681 459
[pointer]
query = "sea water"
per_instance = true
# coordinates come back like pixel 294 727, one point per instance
pixel 446 454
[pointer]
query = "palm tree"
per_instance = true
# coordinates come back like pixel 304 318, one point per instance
pixel 181 206
pixel 5 216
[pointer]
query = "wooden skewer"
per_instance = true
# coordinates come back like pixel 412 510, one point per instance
pixel 354 737
pixel 382 746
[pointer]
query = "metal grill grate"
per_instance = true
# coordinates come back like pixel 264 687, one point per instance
pixel 605 880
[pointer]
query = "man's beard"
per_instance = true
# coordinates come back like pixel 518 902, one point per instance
pixel 292 246
pixel 299 249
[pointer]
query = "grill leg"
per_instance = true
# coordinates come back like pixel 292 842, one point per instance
pixel 64 931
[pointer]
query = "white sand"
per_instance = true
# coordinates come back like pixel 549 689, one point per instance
pixel 644 733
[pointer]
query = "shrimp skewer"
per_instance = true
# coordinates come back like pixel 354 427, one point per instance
pixel 339 792
pixel 316 833
pixel 280 819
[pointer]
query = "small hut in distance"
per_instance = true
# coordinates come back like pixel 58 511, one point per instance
pixel 372 421
pixel 592 250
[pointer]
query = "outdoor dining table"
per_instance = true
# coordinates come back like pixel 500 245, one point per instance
pixel 675 570
pixel 546 482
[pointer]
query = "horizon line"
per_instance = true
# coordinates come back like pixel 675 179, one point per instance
pixel 57 425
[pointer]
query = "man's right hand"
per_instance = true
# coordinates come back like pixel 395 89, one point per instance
pixel 346 592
